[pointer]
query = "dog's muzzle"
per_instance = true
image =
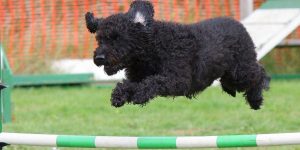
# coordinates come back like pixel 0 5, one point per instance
pixel 99 60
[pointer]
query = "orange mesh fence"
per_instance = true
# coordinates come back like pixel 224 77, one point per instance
pixel 33 31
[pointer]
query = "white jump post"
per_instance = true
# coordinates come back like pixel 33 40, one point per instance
pixel 246 8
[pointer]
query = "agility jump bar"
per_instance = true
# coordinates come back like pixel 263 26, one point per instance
pixel 150 142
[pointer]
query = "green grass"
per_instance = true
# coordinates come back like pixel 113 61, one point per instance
pixel 87 110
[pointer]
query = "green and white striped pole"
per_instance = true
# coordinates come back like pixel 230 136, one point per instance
pixel 150 142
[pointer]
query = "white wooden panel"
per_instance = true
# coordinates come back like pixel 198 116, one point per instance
pixel 262 33
pixel 272 16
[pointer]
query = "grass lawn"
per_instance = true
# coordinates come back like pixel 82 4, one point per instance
pixel 86 110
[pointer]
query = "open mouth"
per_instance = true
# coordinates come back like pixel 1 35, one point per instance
pixel 113 69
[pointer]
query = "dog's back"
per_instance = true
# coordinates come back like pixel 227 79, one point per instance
pixel 216 48
pixel 223 30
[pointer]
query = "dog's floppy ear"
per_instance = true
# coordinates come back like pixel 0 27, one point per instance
pixel 92 22
pixel 141 12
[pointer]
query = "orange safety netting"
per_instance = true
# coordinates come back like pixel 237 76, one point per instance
pixel 33 30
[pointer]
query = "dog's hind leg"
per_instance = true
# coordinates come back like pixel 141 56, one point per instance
pixel 251 79
pixel 260 82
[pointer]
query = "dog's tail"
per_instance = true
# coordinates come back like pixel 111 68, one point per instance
pixel 254 93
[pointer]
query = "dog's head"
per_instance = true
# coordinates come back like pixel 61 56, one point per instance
pixel 121 36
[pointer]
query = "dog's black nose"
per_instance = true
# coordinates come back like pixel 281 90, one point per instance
pixel 100 57
pixel 99 60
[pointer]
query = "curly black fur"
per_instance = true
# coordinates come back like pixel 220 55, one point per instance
pixel 171 59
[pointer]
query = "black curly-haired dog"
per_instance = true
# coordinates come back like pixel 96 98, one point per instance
pixel 172 59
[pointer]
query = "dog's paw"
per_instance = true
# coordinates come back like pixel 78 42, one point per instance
pixel 118 99
pixel 119 96
pixel 117 102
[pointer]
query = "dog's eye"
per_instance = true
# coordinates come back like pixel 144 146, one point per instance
pixel 99 39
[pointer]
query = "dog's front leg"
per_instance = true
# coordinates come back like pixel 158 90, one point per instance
pixel 156 85
pixel 121 94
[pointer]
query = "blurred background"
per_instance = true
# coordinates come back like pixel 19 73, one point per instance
pixel 44 37
pixel 54 30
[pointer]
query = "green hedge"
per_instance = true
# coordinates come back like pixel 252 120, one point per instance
pixel 283 61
